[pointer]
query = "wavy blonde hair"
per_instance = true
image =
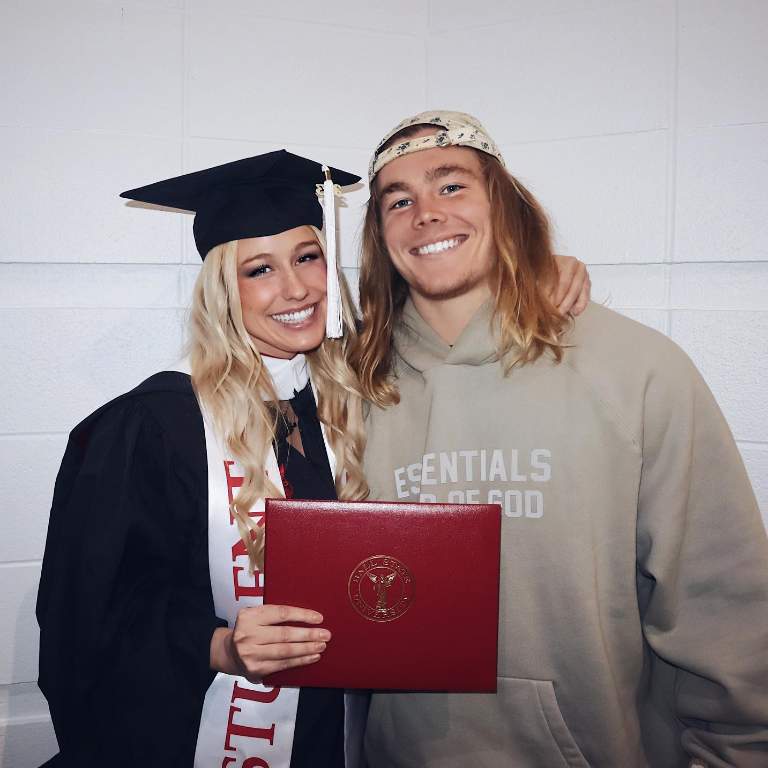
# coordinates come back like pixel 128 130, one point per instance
pixel 233 385
pixel 528 323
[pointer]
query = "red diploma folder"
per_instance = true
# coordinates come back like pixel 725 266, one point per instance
pixel 410 592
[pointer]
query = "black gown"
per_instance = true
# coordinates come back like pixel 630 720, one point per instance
pixel 125 605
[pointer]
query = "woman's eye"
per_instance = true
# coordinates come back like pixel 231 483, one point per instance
pixel 258 271
pixel 449 188
pixel 403 203
pixel 308 256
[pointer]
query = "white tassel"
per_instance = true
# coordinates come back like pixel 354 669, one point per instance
pixel 333 324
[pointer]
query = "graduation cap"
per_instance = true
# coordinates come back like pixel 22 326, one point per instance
pixel 256 197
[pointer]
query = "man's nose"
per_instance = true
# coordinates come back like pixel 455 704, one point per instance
pixel 428 213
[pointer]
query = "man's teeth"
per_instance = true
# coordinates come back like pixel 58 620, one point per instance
pixel 443 245
pixel 295 317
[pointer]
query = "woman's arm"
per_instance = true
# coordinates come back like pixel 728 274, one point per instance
pixel 260 644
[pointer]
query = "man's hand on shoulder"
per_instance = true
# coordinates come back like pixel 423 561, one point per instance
pixel 573 289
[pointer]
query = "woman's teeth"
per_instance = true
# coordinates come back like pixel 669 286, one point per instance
pixel 443 245
pixel 294 318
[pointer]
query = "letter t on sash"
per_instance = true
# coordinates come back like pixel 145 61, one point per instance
pixel 249 731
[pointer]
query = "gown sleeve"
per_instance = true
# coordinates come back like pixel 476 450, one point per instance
pixel 125 606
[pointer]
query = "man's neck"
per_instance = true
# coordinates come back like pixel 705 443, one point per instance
pixel 449 317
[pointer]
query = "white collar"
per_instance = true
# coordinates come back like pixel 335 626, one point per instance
pixel 288 376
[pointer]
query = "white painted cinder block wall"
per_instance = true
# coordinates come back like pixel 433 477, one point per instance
pixel 641 124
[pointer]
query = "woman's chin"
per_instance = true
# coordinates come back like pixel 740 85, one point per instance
pixel 291 342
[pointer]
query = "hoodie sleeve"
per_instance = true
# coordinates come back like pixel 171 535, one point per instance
pixel 702 572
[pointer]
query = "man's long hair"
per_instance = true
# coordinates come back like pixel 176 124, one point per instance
pixel 233 385
pixel 527 323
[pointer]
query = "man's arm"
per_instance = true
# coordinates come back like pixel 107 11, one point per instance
pixel 703 571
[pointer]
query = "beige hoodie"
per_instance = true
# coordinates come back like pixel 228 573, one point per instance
pixel 633 621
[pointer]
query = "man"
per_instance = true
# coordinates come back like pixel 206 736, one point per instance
pixel 634 579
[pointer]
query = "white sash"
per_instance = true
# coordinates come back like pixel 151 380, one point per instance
pixel 242 723
pixel 247 725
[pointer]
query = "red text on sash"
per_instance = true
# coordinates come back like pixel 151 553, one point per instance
pixel 236 729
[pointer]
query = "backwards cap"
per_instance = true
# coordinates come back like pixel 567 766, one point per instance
pixel 456 129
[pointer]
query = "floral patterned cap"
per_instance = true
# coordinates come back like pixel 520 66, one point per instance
pixel 457 129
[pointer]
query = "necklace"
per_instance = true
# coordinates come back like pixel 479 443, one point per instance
pixel 286 420
pixel 288 423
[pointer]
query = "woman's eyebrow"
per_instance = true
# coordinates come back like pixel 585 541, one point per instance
pixel 253 257
pixel 305 244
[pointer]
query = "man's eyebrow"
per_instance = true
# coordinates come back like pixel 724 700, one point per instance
pixel 447 170
pixel 431 175
pixel 395 186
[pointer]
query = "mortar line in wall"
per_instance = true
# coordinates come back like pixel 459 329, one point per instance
pixel 672 169
pixel 361 148
pixel 167 264
pixel 185 66
pixel 283 143
pixel 186 306
pixel 425 50
pixel 358 147
pixel 679 309
pixel 175 264
pixel 752 444
pixel 355 147
pixel 99 307
pixel 332 25
pixel 24 435
pixel 17 563
pixel 731 125
pixel 580 136
pixel 512 20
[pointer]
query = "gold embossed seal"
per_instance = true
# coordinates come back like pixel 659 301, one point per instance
pixel 381 588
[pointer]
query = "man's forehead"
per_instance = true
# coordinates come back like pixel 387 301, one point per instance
pixel 426 165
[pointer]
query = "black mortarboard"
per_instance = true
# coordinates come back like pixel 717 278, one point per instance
pixel 254 197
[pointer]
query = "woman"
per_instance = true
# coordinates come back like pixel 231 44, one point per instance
pixel 150 537
pixel 153 638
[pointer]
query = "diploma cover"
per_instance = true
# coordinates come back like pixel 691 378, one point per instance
pixel 410 592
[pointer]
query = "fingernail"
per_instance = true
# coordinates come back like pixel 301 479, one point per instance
pixel 324 635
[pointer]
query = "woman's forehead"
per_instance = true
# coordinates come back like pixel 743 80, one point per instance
pixel 285 242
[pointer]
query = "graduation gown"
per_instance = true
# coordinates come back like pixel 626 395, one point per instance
pixel 125 605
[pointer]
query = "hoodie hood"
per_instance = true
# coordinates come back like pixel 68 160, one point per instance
pixel 421 348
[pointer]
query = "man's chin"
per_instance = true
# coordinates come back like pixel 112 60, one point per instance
pixel 444 292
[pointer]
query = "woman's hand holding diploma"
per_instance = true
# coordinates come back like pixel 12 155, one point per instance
pixel 260 642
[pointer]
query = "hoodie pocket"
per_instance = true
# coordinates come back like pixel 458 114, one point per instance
pixel 533 704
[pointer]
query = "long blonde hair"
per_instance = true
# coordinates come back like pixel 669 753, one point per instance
pixel 527 321
pixel 233 385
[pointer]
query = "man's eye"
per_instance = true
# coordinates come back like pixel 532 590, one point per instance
pixel 403 203
pixel 261 269
pixel 449 188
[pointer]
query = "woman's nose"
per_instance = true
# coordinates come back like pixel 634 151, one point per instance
pixel 293 286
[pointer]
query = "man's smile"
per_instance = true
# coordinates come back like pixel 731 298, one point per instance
pixel 438 246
